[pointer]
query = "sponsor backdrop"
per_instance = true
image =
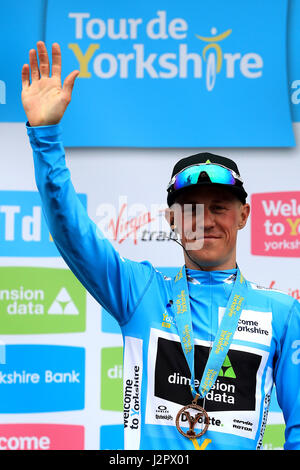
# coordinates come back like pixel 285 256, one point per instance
pixel 157 82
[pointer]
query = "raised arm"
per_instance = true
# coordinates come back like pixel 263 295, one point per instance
pixel 116 283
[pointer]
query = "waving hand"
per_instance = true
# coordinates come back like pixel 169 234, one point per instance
pixel 45 99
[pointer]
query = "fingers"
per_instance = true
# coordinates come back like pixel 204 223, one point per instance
pixel 43 59
pixel 42 69
pixel 56 60
pixel 25 76
pixel 35 73
pixel 69 82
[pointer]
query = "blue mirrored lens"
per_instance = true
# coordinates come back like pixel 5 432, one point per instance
pixel 216 174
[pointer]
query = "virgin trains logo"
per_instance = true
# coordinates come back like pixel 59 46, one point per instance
pixel 130 227
pixel 131 222
pixel 135 222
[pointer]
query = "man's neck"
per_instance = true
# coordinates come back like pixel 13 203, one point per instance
pixel 193 264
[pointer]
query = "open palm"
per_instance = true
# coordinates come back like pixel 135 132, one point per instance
pixel 45 99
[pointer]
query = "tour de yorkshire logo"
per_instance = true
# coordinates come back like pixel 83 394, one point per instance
pixel 170 60
pixel 212 54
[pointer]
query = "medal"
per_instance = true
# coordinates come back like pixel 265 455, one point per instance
pixel 217 353
pixel 192 420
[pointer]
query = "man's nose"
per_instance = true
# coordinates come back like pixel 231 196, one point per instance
pixel 209 220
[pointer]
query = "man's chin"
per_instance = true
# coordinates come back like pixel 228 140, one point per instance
pixel 207 263
pixel 205 258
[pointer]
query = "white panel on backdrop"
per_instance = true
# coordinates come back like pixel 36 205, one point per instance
pixel 140 175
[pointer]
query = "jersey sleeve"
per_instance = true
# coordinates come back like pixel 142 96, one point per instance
pixel 118 284
pixel 287 378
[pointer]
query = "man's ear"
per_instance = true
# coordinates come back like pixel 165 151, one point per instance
pixel 169 216
pixel 244 214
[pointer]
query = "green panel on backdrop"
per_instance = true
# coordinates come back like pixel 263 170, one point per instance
pixel 274 437
pixel 112 379
pixel 36 300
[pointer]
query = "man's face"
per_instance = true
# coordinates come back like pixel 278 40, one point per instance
pixel 223 216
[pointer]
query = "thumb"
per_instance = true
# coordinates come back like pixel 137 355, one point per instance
pixel 69 82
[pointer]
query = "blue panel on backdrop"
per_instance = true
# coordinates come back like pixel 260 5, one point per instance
pixel 293 56
pixel 21 26
pixel 40 378
pixel 174 74
pixel 112 437
pixel 23 228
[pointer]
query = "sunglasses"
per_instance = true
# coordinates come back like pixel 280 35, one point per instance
pixel 193 174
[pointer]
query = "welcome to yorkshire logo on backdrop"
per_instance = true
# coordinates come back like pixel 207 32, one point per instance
pixel 41 437
pixel 202 75
pixel 275 229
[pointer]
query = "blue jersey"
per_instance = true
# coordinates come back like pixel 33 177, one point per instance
pixel 265 349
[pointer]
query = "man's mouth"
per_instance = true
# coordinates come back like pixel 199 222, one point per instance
pixel 210 236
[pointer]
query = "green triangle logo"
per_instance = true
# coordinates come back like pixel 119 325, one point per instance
pixel 227 369
pixel 207 161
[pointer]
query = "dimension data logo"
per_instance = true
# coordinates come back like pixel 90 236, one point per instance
pixel 227 369
pixel 41 378
pixel 23 229
pixel 172 382
pixel 41 300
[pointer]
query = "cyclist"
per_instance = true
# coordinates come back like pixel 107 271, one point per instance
pixel 201 351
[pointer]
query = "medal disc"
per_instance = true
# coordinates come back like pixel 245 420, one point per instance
pixel 192 420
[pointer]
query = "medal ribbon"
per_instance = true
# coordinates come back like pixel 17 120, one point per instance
pixel 223 339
